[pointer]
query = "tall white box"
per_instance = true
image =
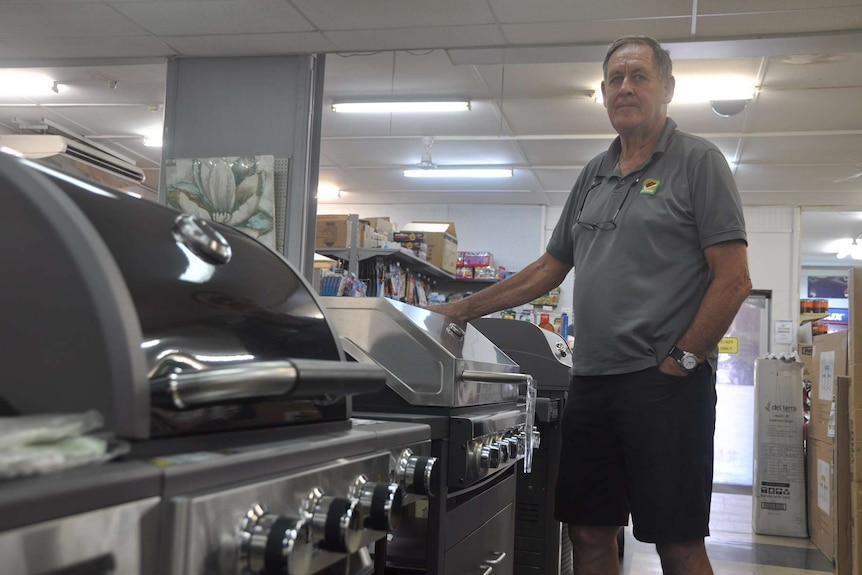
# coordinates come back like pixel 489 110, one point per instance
pixel 779 458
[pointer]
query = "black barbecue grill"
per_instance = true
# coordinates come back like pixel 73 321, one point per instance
pixel 213 358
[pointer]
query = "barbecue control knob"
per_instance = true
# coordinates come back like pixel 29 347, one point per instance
pixel 562 349
pixel 455 331
pixel 504 451
pixel 335 521
pixel 274 545
pixel 511 444
pixel 380 504
pixel 202 239
pixel 490 457
pixel 417 474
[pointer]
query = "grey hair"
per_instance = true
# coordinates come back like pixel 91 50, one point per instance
pixel 660 56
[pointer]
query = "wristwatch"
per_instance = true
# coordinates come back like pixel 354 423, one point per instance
pixel 685 359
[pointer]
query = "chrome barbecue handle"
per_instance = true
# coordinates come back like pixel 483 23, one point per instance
pixel 495 377
pixel 182 382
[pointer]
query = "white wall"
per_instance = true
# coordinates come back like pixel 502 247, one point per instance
pixel 773 258
pixel 517 235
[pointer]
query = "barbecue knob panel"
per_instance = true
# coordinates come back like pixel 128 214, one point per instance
pixel 380 504
pixel 274 545
pixel 336 523
pixel 418 475
pixel 490 457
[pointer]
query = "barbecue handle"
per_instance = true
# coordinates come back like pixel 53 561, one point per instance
pixel 495 377
pixel 204 385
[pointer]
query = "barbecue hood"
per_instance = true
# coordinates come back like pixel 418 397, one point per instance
pixel 429 360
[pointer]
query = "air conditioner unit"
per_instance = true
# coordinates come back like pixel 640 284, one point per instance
pixel 73 156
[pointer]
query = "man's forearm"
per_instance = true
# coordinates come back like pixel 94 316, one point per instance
pixel 535 280
pixel 719 306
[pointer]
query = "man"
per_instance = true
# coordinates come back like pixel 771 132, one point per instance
pixel 655 233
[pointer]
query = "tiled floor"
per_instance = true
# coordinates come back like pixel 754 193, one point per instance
pixel 734 549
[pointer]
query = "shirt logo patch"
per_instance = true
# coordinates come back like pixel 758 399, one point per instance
pixel 650 186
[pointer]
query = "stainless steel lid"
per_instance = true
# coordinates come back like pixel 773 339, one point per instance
pixel 430 360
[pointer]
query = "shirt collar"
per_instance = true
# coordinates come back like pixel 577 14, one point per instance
pixel 613 153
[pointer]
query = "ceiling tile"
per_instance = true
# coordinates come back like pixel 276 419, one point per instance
pixel 249 44
pixel 117 46
pixel 808 179
pixel 548 11
pixel 187 18
pixel 377 14
pixel 814 71
pixel 791 22
pixel 416 38
pixel 8 52
pixel 64 21
pixel 807 110
pixel 746 6
pixel 803 150
pixel 595 31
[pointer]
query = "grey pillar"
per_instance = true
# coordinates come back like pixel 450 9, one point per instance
pixel 225 107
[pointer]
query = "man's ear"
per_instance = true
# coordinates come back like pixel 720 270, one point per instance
pixel 604 95
pixel 670 85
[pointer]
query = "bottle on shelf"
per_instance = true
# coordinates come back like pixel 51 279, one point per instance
pixel 545 322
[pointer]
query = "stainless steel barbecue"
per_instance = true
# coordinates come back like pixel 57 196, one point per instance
pixel 450 376
pixel 215 361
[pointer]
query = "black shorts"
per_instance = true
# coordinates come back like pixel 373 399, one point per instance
pixel 641 444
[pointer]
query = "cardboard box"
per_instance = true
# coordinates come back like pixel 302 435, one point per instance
pixel 382 226
pixel 854 292
pixel 805 351
pixel 829 495
pixel 778 502
pixel 828 361
pixel 442 242
pixel 336 231
pixel 821 497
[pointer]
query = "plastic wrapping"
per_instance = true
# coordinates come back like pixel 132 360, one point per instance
pixel 34 444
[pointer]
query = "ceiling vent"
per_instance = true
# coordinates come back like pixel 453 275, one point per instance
pixel 65 153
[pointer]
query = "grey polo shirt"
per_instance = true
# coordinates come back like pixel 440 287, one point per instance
pixel 639 285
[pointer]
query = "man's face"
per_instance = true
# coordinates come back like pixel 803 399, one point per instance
pixel 635 96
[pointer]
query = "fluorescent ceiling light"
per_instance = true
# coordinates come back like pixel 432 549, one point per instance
pixel 328 192
pixel 14 83
pixel 458 173
pixel 152 137
pixel 397 107
pixel 707 88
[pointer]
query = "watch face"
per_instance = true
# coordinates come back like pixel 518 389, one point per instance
pixel 689 362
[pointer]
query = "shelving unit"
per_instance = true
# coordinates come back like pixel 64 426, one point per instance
pixel 353 255
pixel 405 257
pixel 810 317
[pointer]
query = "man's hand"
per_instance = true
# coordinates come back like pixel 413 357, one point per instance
pixel 450 310
pixel 669 366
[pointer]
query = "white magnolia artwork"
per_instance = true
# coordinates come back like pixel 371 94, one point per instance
pixel 234 191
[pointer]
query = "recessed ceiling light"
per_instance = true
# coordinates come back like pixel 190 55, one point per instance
pixel 401 107
pixel 458 173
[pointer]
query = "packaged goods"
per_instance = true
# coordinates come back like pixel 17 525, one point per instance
pixel 336 231
pixel 778 505
pixel 441 241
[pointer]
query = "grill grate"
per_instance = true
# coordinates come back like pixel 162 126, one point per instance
pixel 566 567
pixel 280 181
